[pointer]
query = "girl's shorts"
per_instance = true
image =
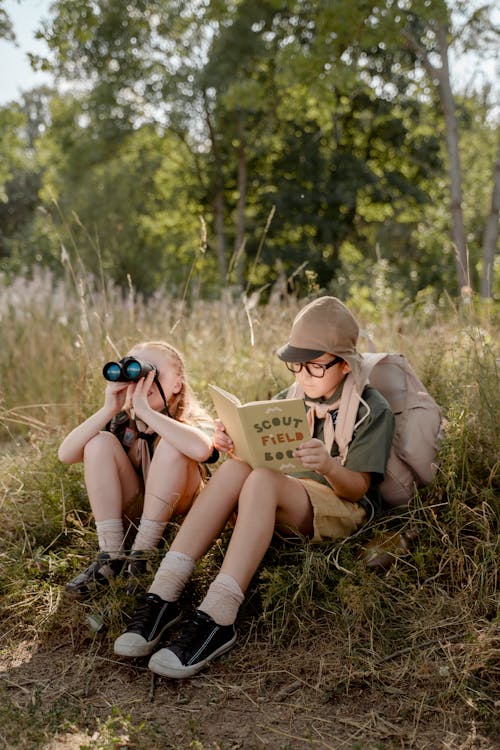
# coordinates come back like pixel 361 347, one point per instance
pixel 333 518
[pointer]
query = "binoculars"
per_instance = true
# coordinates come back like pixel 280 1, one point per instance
pixel 127 369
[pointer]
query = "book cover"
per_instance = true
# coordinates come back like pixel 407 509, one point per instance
pixel 264 433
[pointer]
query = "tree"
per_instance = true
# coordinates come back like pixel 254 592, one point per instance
pixel 6 29
pixel 430 29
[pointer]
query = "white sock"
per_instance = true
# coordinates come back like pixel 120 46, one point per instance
pixel 223 600
pixel 110 535
pixel 148 534
pixel 172 575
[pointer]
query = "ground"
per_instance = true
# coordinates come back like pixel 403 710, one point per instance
pixel 79 695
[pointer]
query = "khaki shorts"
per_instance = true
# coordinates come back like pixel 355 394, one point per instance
pixel 333 518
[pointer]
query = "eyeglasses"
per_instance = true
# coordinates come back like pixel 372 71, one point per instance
pixel 314 369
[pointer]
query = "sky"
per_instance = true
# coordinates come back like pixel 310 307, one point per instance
pixel 16 74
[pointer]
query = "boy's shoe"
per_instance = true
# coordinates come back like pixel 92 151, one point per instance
pixel 200 641
pixel 99 573
pixel 146 627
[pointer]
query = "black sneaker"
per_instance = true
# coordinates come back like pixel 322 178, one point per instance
pixel 147 625
pixel 137 568
pixel 99 573
pixel 200 641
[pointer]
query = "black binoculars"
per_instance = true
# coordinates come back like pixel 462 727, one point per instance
pixel 127 369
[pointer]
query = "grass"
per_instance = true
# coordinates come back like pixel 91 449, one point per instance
pixel 409 655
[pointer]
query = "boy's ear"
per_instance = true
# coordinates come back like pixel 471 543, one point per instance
pixel 346 367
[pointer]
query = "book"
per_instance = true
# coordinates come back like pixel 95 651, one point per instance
pixel 264 433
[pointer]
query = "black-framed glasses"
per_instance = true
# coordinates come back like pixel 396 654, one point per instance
pixel 314 369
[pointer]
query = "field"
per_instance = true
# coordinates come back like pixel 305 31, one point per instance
pixel 331 654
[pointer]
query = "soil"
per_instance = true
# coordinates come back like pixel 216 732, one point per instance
pixel 257 696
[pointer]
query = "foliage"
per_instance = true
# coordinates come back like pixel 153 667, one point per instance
pixel 240 141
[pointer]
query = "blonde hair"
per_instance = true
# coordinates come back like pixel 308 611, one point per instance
pixel 183 406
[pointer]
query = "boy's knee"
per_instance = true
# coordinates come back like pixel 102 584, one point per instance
pixel 263 478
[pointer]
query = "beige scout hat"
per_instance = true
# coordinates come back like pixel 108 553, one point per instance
pixel 325 325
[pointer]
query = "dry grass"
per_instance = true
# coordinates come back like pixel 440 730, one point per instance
pixel 330 653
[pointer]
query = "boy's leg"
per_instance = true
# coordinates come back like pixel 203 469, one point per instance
pixel 267 498
pixel 204 522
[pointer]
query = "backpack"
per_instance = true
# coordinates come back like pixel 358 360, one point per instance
pixel 418 427
pixel 418 424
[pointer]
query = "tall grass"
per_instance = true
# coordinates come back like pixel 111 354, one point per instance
pixel 428 625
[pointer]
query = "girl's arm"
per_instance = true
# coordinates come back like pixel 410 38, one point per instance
pixel 187 439
pixel 71 449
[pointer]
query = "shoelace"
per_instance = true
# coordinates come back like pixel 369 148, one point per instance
pixel 188 633
pixel 143 614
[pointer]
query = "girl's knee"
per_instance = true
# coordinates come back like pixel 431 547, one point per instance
pixel 167 453
pixel 100 446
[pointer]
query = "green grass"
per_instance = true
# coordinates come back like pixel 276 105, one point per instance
pixel 427 629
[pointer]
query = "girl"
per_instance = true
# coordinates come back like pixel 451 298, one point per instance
pixel 327 500
pixel 149 438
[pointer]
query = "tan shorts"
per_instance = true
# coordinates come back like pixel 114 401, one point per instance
pixel 333 518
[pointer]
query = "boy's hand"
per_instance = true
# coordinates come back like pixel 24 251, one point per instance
pixel 222 441
pixel 314 456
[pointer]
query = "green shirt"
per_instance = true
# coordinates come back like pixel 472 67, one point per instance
pixel 371 442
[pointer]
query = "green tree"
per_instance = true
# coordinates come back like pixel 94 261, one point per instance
pixel 429 31
pixel 107 201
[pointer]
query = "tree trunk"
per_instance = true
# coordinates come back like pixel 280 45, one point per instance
pixel 440 78
pixel 455 171
pixel 491 234
pixel 218 198
pixel 239 248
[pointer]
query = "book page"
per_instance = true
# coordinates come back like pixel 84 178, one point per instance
pixel 226 406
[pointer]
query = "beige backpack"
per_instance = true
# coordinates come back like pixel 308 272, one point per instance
pixel 418 427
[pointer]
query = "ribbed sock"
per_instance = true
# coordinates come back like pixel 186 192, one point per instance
pixel 223 600
pixel 110 535
pixel 148 534
pixel 172 575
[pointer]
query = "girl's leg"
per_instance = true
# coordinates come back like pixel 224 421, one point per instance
pixel 111 483
pixel 170 486
pixel 110 478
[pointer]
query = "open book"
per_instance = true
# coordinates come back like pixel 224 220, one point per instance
pixel 264 433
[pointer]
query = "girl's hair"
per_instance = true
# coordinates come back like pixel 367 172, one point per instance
pixel 183 406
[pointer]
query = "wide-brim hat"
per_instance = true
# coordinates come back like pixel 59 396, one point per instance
pixel 325 325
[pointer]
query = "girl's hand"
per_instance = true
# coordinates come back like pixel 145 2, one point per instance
pixel 140 392
pixel 314 456
pixel 222 440
pixel 115 396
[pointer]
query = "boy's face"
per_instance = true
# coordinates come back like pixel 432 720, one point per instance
pixel 325 386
